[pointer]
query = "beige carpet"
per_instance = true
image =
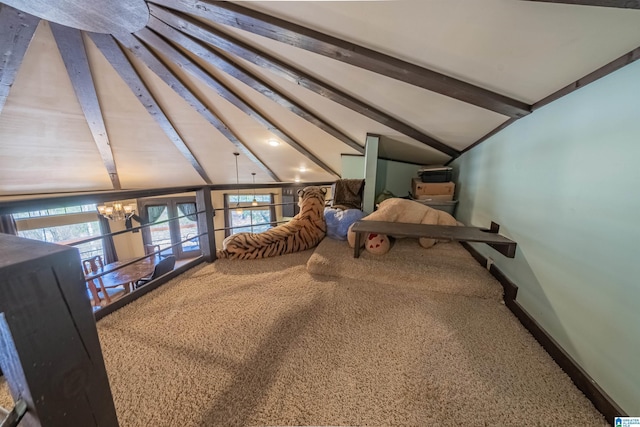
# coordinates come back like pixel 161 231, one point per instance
pixel 445 267
pixel 263 342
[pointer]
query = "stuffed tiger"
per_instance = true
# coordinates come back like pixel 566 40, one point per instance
pixel 304 231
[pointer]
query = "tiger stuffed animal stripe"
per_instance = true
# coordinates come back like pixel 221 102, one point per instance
pixel 304 231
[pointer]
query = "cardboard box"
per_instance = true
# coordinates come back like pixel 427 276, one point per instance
pixel 419 188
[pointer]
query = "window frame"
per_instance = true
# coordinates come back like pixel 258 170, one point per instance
pixel 246 205
pixel 62 217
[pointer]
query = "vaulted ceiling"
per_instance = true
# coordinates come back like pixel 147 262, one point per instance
pixel 162 96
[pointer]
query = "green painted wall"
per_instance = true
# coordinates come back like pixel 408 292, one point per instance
pixel 395 177
pixel 564 183
pixel 352 167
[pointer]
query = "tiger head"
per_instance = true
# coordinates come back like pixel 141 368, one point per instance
pixel 309 193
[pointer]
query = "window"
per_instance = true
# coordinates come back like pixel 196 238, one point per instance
pixel 64 226
pixel 241 216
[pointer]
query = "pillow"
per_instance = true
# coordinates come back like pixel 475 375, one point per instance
pixel 338 221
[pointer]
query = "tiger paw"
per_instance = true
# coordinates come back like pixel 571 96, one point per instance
pixel 377 244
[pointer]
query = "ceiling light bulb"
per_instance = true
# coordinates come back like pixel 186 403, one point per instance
pixel 273 143
pixel 254 203
pixel 303 169
pixel 297 180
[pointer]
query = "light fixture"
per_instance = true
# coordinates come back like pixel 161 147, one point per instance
pixel 117 211
pixel 254 202
pixel 238 208
pixel 302 169
pixel 297 179
pixel 274 142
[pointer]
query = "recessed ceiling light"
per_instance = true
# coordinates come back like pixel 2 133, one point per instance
pixel 297 180
pixel 273 143
pixel 302 169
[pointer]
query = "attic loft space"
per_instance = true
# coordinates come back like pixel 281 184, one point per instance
pixel 525 100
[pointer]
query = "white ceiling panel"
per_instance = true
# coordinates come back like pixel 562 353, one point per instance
pixel 450 121
pixel 522 49
pixel 45 142
pixel 526 50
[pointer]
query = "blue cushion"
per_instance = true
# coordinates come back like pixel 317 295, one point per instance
pixel 339 221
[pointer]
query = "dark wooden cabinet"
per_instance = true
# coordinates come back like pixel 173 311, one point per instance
pixel 49 347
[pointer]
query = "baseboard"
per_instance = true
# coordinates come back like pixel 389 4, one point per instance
pixel 600 399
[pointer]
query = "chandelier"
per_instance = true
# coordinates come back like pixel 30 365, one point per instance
pixel 117 211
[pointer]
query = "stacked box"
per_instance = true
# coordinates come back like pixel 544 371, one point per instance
pixel 438 195
pixel 435 174
pixel 441 191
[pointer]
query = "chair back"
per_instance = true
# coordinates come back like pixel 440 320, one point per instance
pixel 92 265
pixel 164 266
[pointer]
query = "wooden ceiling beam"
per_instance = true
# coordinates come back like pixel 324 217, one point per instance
pixel 113 16
pixel 605 70
pixel 159 44
pixel 227 43
pixel 16 31
pixel 138 49
pixel 119 61
pixel 240 72
pixel 74 55
pixel 624 4
pixel 259 23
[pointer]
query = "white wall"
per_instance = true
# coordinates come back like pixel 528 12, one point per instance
pixel 563 183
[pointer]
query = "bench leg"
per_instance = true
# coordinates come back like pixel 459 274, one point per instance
pixel 358 244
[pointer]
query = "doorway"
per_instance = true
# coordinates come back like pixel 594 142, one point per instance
pixel 171 220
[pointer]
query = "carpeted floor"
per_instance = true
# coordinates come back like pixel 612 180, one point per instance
pixel 264 342
pixel 447 268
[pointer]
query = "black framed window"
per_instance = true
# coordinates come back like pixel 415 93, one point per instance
pixel 242 216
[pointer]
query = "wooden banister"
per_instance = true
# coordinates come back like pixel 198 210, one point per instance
pixel 49 348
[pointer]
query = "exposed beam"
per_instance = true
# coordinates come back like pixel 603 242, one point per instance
pixel 75 59
pixel 113 16
pixel 607 69
pixel 625 4
pixel 119 61
pixel 16 31
pixel 240 72
pixel 236 47
pixel 162 71
pixel 160 45
pixel 489 135
pixel 259 23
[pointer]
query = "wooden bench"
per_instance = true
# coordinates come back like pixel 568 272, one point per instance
pixel 505 246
